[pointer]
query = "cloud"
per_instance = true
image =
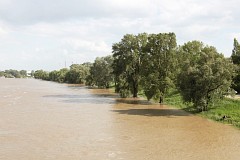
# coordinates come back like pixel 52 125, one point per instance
pixel 3 31
pixel 50 32
pixel 30 12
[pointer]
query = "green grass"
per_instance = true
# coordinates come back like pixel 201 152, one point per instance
pixel 175 100
pixel 225 107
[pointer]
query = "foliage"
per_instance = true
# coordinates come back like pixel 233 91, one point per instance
pixel 205 76
pixel 58 76
pixel 101 72
pixel 236 52
pixel 226 107
pixel 159 65
pixel 14 73
pixel 236 60
pixel 78 73
pixel 23 73
pixel 127 56
pixel 153 65
pixel 2 73
pixel 40 74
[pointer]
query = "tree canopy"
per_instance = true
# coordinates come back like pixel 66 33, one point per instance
pixel 236 60
pixel 159 65
pixel 101 72
pixel 205 74
pixel 127 61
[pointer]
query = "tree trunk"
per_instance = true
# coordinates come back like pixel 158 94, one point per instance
pixel 161 99
pixel 135 89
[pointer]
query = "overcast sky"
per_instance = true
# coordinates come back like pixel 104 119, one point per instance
pixel 44 34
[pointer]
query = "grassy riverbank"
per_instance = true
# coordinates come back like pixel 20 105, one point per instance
pixel 227 107
pixel 230 108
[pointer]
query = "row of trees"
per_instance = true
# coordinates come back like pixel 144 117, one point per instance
pixel 14 74
pixel 97 74
pixel 155 65
pixel 146 60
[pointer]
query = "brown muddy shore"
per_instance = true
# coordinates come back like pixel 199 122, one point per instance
pixel 42 120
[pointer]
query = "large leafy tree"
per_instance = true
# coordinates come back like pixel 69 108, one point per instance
pixel 236 60
pixel 23 73
pixel 53 75
pixel 12 74
pixel 159 65
pixel 205 75
pixel 2 73
pixel 61 75
pixel 77 73
pixel 127 61
pixel 40 74
pixel 236 52
pixel 101 72
pixel 58 76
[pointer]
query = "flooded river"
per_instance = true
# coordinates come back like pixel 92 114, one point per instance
pixel 42 120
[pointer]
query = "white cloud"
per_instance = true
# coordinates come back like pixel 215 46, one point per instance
pixel 50 32
pixel 3 31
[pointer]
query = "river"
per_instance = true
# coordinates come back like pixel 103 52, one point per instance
pixel 42 120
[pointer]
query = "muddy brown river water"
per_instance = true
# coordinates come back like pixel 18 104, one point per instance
pixel 42 120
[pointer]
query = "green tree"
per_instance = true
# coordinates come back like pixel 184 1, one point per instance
pixel 78 73
pixel 236 52
pixel 236 60
pixel 2 73
pixel 58 76
pixel 127 61
pixel 12 74
pixel 159 65
pixel 53 75
pixel 40 74
pixel 205 74
pixel 101 72
pixel 23 73
pixel 62 75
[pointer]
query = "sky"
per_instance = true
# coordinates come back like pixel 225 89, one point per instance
pixel 52 34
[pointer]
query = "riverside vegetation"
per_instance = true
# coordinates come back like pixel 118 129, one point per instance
pixel 193 76
pixel 15 74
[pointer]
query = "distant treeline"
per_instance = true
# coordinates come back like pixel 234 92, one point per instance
pixel 98 74
pixel 15 74
pixel 154 65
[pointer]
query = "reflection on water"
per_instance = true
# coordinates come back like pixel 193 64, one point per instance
pixel 44 120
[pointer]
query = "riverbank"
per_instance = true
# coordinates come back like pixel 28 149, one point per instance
pixel 224 111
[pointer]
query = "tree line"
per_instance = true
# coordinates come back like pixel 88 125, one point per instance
pixel 15 74
pixel 155 65
pixel 97 74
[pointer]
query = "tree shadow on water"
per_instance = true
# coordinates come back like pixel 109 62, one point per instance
pixel 75 96
pixel 97 98
pixel 132 101
pixel 153 112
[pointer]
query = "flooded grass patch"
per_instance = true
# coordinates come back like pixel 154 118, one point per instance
pixel 225 111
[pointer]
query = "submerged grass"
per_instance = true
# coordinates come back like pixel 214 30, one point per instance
pixel 226 110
